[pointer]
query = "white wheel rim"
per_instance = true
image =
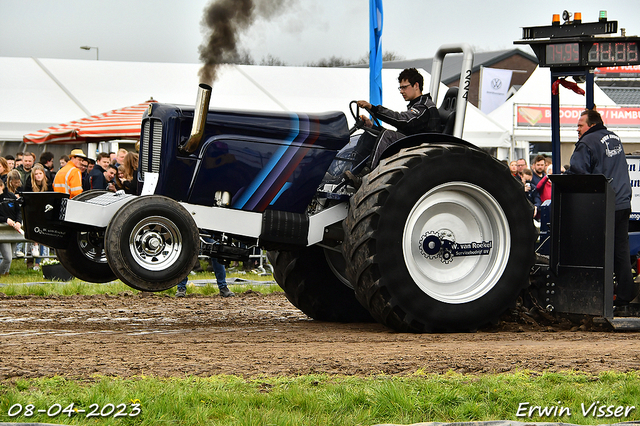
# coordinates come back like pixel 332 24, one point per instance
pixel 466 214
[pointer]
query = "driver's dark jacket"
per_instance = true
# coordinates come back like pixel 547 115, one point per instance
pixel 600 152
pixel 421 116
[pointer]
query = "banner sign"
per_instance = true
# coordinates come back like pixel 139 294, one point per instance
pixel 618 72
pixel 633 161
pixel 540 116
pixel 494 85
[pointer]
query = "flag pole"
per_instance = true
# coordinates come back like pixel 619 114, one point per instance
pixel 375 52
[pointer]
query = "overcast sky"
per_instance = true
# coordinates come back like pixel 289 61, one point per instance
pixel 305 31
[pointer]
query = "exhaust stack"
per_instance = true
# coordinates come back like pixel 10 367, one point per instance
pixel 199 119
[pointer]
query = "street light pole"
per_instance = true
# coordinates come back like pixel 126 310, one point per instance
pixel 92 47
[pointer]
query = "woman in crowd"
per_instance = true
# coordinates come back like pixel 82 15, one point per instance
pixel 14 183
pixel 544 186
pixel 4 169
pixel 119 178
pixel 11 215
pixel 38 181
pixel 130 181
pixel 14 187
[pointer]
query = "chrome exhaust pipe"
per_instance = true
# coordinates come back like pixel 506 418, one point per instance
pixel 199 119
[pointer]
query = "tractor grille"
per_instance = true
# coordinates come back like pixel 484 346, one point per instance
pixel 151 146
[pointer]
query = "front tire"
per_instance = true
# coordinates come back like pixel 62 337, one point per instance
pixel 439 238
pixel 152 243
pixel 314 282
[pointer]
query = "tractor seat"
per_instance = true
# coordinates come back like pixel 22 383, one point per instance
pixel 447 111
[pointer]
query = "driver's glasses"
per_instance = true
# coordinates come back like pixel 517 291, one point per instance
pixel 401 88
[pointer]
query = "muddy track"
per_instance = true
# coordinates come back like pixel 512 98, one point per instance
pixel 255 334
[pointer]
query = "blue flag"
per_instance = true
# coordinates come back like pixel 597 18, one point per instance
pixel 375 52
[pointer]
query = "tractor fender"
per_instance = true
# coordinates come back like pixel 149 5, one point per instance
pixel 423 138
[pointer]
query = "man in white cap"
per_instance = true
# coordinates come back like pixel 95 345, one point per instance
pixel 69 179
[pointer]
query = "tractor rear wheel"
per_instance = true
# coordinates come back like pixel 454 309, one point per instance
pixel 313 280
pixel 439 238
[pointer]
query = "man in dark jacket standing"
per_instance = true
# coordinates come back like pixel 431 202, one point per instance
pixel 599 151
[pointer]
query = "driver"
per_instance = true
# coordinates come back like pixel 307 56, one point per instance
pixel 421 116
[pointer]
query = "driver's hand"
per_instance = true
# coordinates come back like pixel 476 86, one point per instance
pixel 364 104
pixel 366 121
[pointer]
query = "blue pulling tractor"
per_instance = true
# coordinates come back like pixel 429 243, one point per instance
pixel 437 237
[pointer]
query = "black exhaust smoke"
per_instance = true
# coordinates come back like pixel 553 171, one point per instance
pixel 224 21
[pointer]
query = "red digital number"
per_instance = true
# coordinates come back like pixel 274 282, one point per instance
pixel 605 52
pixel 632 52
pixel 621 51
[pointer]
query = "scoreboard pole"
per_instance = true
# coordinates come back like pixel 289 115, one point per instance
pixel 557 73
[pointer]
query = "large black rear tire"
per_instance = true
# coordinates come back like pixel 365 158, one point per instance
pixel 439 238
pixel 314 284
pixel 85 256
pixel 152 243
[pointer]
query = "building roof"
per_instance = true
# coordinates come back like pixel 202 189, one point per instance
pixel 623 95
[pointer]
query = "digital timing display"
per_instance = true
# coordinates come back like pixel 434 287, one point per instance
pixel 604 52
pixel 563 53
pixel 595 54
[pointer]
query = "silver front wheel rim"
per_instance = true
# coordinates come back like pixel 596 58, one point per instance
pixel 155 243
pixel 456 242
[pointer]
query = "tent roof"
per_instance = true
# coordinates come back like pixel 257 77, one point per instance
pixel 39 93
pixel 122 123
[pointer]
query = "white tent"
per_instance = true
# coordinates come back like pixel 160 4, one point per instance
pixel 38 93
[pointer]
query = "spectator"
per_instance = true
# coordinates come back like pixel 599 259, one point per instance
pixel 513 167
pixel 38 181
pixel 130 181
pixel 600 151
pixel 11 215
pixel 46 159
pixel 120 157
pixel 112 157
pixel 538 168
pixel 68 180
pixel 221 278
pixel 532 192
pixel 84 166
pixel 63 161
pixel 110 177
pixel 90 165
pixel 4 169
pixel 28 160
pixel 521 164
pixel 14 182
pixel 119 178
pixel 544 186
pixel 11 161
pixel 97 178
pixel 13 186
pixel 18 159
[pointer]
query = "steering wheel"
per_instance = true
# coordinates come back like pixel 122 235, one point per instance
pixel 359 122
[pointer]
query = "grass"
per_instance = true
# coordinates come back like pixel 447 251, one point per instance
pixel 326 400
pixel 23 281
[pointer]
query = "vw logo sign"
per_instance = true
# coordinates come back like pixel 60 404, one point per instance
pixel 496 83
